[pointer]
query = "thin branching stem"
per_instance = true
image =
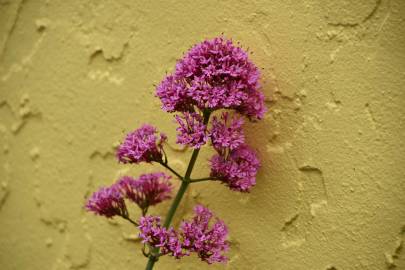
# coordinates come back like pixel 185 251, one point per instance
pixel 130 220
pixel 186 180
pixel 164 164
pixel 203 179
pixel 146 254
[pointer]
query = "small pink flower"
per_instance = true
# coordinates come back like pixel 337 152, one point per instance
pixel 191 130
pixel 208 241
pixel 142 145
pixel 214 74
pixel 149 189
pixel 238 169
pixel 197 235
pixel 173 94
pixel 152 233
pixel 108 202
pixel 227 133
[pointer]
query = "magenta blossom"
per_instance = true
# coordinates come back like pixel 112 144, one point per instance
pixel 173 94
pixel 208 241
pixel 227 133
pixel 214 74
pixel 198 235
pixel 149 189
pixel 238 169
pixel 253 106
pixel 214 78
pixel 142 145
pixel 192 131
pixel 156 236
pixel 108 202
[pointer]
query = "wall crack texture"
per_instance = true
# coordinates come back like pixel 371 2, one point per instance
pixel 77 76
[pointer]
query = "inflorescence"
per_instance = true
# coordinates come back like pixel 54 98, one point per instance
pixel 215 78
pixel 198 236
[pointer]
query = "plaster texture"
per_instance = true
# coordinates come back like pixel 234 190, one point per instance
pixel 75 76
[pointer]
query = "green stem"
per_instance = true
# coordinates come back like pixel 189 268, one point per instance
pixel 151 262
pixel 172 170
pixel 130 220
pixel 182 190
pixel 153 257
pixel 203 179
pixel 174 206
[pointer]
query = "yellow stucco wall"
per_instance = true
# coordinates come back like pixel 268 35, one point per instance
pixel 76 75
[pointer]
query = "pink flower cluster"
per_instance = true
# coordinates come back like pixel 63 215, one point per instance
pixel 108 202
pixel 147 190
pixel 212 77
pixel 227 133
pixel 214 74
pixel 152 233
pixel 192 131
pixel 142 145
pixel 207 240
pixel 238 169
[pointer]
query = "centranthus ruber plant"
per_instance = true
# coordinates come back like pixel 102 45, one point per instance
pixel 214 78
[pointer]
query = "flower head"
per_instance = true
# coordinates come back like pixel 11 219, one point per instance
pixel 227 133
pixel 209 242
pixel 147 190
pixel 152 232
pixel 254 107
pixel 198 235
pixel 214 74
pixel 142 145
pixel 191 130
pixel 238 169
pixel 108 202
pixel 173 94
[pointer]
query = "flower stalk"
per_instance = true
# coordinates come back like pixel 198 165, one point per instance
pixel 179 196
pixel 214 75
pixel 164 164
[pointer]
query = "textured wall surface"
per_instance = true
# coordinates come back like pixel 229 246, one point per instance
pixel 76 75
